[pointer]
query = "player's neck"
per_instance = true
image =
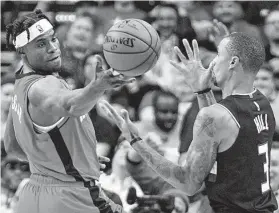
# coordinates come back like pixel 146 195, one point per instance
pixel 27 69
pixel 243 87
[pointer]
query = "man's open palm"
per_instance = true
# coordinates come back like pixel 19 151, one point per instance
pixel 196 76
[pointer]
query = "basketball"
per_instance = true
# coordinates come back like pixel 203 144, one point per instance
pixel 132 47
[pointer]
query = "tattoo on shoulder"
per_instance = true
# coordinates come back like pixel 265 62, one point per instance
pixel 206 123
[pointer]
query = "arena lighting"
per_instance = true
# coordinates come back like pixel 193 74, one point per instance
pixel 62 17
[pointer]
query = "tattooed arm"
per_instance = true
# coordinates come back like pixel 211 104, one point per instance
pixel 199 158
pixel 213 129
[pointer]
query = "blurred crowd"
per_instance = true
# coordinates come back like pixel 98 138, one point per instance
pixel 159 102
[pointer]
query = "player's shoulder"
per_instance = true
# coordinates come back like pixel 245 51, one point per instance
pixel 44 86
pixel 47 83
pixel 215 111
pixel 219 115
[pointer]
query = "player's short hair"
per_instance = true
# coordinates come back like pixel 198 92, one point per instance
pixel 21 24
pixel 163 93
pixel 249 49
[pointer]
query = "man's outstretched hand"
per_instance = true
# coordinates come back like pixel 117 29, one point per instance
pixel 122 120
pixel 196 76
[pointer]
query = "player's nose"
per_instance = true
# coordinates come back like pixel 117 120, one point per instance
pixel 52 47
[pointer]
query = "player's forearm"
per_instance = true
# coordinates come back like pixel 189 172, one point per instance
pixel 81 101
pixel 206 99
pixel 175 175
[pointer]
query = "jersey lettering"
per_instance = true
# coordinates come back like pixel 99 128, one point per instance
pixel 257 105
pixel 17 108
pixel 261 123
pixel 263 149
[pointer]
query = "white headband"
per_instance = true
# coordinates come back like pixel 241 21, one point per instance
pixel 35 30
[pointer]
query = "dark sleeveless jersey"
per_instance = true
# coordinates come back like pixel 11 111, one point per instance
pixel 241 183
pixel 67 152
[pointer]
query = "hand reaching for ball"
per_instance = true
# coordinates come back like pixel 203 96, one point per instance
pixel 108 80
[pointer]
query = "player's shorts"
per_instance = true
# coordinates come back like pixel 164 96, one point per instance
pixel 45 194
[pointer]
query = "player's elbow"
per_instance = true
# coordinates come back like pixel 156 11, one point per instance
pixel 72 111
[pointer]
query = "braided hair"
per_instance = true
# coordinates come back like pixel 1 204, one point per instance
pixel 21 24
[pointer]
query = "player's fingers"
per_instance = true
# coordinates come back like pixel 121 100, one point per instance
pixel 211 66
pixel 103 159
pixel 176 65
pixel 119 120
pixel 109 114
pixel 188 49
pixel 179 54
pixel 196 50
pixel 125 115
pixel 102 166
pixel 120 82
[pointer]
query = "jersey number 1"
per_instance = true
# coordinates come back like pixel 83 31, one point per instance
pixel 263 150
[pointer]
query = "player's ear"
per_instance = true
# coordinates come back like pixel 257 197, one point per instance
pixel 20 50
pixel 234 62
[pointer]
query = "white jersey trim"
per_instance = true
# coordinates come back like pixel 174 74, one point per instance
pixel 46 129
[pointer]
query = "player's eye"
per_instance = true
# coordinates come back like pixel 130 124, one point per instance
pixel 41 44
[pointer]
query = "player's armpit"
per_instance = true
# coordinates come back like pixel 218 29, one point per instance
pixel 10 142
pixel 199 158
pixel 51 96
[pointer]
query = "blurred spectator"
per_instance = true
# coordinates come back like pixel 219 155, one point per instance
pixel 274 170
pixel 77 45
pixel 86 6
pixel 106 132
pixel 13 172
pixel 162 134
pixel 231 13
pixel 119 10
pixel 149 181
pixel 195 10
pixel 119 181
pixel 186 134
pixel 172 29
pixel 162 119
pixel 7 90
pixel 265 83
pixel 271 30
pixel 132 95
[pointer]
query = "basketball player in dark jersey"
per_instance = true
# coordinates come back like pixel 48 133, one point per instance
pixel 232 139
pixel 48 125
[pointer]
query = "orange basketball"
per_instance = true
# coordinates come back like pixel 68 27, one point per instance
pixel 132 47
